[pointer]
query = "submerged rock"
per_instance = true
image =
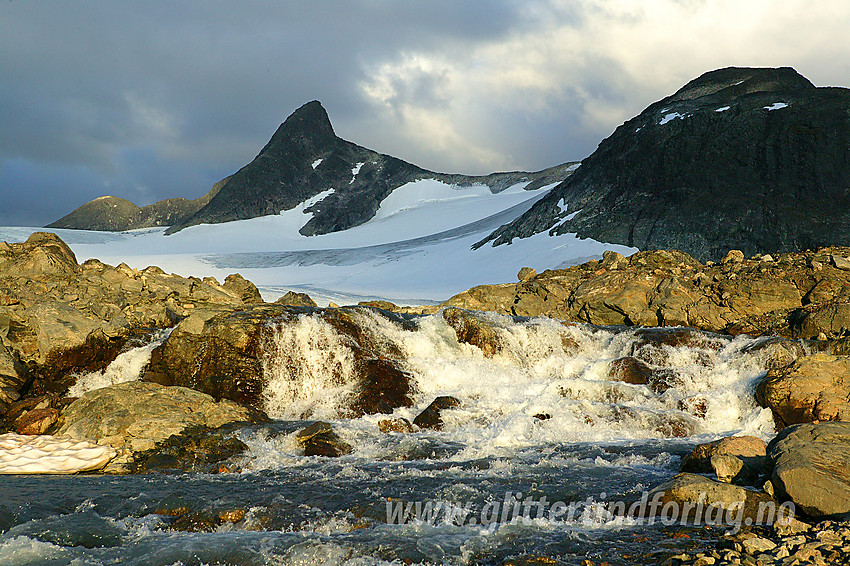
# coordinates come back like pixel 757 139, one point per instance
pixel 398 424
pixel 319 439
pixel 430 417
pixel 194 449
pixel 632 370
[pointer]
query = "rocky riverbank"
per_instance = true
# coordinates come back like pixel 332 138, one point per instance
pixel 60 319
pixel 794 295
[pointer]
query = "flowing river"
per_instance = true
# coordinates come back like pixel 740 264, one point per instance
pixel 544 442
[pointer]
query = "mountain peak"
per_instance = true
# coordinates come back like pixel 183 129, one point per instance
pixel 737 81
pixel 309 122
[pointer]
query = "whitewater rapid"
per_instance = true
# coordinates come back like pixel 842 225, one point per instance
pixel 540 417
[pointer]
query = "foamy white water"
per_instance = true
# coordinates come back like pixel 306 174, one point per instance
pixel 127 366
pixel 549 384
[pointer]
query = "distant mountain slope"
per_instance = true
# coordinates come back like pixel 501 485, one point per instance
pixel 114 214
pixel 753 159
pixel 303 159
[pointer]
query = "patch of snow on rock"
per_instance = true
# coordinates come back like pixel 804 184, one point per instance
pixel 669 117
pixel 723 109
pixel 776 106
pixel 316 163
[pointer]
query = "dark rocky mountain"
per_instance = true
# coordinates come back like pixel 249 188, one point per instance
pixel 739 158
pixel 114 214
pixel 303 159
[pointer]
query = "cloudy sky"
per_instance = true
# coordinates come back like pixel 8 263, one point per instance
pixel 150 100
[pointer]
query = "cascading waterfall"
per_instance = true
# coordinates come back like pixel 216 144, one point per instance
pixel 545 382
pixel 127 366
pixel 308 370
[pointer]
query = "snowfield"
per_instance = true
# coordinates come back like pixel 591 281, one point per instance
pixel 416 250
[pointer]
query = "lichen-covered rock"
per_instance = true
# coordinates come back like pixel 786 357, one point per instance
pixel 298 300
pixel 58 317
pixel 811 467
pixel 134 416
pixel 813 388
pixel 794 295
pixel 687 491
pixel 242 288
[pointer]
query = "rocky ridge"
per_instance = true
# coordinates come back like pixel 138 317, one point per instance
pixel 59 318
pixel 302 161
pixel 739 158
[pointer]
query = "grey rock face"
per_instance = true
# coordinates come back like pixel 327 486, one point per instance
pixel 305 157
pixel 751 159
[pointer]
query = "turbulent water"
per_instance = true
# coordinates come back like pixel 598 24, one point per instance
pixel 540 418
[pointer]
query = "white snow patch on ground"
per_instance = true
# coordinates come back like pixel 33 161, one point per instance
pixel 669 117
pixel 776 106
pixel 416 250
pixel 316 163
pixel 46 454
pixel 354 171
pixel 723 109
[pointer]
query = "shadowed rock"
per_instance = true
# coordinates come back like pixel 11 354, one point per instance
pixel 748 159
pixel 430 417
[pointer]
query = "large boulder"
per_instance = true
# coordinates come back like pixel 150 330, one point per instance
pixel 734 459
pixel 813 388
pixel 811 467
pixel 688 494
pixel 134 416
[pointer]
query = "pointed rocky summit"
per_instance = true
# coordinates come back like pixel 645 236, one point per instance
pixel 341 184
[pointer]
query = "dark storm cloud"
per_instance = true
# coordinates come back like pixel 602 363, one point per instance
pixel 152 100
